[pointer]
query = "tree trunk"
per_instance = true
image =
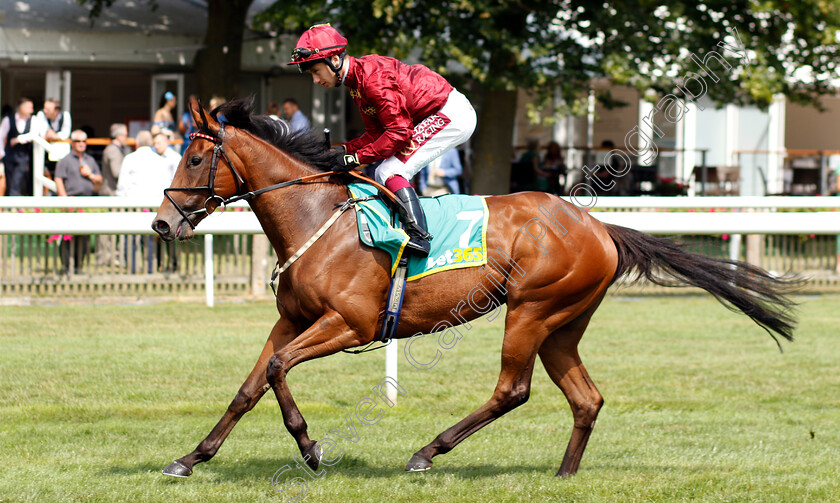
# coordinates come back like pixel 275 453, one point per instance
pixel 217 66
pixel 494 142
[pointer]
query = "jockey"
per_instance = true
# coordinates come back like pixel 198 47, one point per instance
pixel 412 116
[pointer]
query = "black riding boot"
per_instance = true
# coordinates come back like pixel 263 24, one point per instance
pixel 415 221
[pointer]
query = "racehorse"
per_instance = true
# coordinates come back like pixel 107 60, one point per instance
pixel 550 262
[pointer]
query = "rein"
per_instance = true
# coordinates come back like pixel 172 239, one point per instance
pixel 219 153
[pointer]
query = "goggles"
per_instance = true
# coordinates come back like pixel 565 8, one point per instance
pixel 303 53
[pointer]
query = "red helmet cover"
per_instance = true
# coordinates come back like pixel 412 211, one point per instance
pixel 322 41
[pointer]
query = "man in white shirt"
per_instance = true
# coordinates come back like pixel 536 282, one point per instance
pixel 54 123
pixel 170 157
pixel 148 170
pixel 16 149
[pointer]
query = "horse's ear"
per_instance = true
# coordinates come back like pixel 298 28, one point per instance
pixel 202 120
pixel 197 112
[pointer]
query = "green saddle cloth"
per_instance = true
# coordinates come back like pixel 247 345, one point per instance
pixel 458 224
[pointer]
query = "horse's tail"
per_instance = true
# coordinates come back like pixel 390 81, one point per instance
pixel 737 285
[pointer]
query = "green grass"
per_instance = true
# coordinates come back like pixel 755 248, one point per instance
pixel 700 405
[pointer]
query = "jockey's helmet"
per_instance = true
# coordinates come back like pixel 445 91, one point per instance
pixel 319 44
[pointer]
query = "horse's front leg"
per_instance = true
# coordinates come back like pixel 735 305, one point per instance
pixel 249 394
pixel 329 334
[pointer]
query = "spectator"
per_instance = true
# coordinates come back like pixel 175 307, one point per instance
pixel 16 149
pixel 217 101
pixel 77 174
pixel 171 159
pixel 145 172
pixel 524 171
pixel 620 170
pixel 553 167
pixel 53 123
pixel 298 121
pixel 112 158
pixel 605 185
pixel 187 126
pixel 132 175
pixel 273 110
pixel 164 118
pixel 2 166
pixel 441 176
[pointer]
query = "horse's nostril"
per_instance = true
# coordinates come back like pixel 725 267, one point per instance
pixel 160 226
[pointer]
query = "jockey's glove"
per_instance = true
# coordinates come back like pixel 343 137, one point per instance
pixel 346 162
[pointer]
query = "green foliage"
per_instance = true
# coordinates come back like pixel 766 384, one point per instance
pixel 542 46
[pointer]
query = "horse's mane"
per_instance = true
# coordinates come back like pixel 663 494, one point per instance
pixel 307 146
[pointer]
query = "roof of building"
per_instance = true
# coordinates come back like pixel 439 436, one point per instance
pixel 177 17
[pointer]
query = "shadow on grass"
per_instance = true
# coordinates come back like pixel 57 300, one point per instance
pixel 349 467
pixel 134 469
pixel 250 468
pixel 358 468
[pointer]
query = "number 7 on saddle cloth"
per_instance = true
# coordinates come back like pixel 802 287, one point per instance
pixel 457 222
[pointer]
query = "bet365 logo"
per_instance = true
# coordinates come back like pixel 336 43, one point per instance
pixel 455 256
pixel 463 253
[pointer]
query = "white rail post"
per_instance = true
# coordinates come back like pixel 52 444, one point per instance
pixel 209 279
pixel 259 264
pixel 391 357
pixel 735 247
pixel 37 169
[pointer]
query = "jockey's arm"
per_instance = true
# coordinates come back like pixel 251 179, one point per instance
pixel 367 138
pixel 392 116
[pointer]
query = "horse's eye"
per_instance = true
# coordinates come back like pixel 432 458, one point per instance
pixel 195 161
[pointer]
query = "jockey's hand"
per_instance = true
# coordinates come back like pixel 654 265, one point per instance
pixel 347 162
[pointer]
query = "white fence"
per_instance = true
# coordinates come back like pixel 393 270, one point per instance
pixel 652 215
pixel 655 215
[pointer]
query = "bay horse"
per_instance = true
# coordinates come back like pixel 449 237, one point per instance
pixel 550 262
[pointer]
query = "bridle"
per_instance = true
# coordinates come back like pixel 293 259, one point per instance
pixel 219 153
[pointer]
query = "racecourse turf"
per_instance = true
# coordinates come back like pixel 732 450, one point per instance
pixel 700 405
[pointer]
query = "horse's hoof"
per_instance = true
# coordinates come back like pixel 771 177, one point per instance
pixel 177 469
pixel 313 456
pixel 418 463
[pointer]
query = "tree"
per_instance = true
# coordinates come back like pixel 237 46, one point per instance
pixel 563 45
pixel 557 46
pixel 218 63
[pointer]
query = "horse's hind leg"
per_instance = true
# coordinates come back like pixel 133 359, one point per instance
pixel 560 357
pixel 512 390
pixel 249 394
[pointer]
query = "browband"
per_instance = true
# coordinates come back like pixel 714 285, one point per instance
pixel 203 136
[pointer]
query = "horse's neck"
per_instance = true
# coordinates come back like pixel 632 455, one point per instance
pixel 291 215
